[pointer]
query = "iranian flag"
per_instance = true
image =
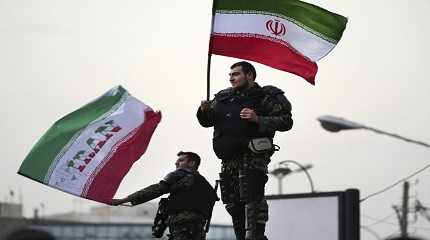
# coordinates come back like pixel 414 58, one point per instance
pixel 88 152
pixel 288 35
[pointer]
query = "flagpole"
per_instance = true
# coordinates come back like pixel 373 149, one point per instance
pixel 208 77
pixel 208 72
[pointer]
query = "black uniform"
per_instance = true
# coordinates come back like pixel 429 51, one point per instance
pixel 190 204
pixel 244 172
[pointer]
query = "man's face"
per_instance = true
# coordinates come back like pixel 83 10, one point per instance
pixel 184 163
pixel 238 79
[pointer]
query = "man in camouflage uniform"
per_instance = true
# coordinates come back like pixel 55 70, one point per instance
pixel 190 202
pixel 239 115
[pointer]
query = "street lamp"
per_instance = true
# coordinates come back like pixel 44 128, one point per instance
pixel 280 173
pixel 336 124
pixel 283 170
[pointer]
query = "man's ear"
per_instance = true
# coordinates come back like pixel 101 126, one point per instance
pixel 249 76
pixel 192 164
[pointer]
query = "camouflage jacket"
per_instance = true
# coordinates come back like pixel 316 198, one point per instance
pixel 273 108
pixel 173 181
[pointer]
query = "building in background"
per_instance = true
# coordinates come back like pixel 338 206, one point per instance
pixel 100 223
pixel 144 213
pixel 10 210
pixel 63 230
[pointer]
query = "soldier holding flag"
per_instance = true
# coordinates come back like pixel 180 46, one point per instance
pixel 245 118
pixel 190 202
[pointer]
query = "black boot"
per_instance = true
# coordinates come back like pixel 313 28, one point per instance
pixel 239 229
pixel 237 213
pixel 256 218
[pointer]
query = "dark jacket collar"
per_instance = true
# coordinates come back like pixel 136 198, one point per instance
pixel 250 91
pixel 254 91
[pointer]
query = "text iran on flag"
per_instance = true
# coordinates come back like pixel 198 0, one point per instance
pixel 288 35
pixel 88 152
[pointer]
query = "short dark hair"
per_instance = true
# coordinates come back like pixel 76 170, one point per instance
pixel 192 157
pixel 246 68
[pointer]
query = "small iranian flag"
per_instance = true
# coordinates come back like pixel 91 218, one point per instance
pixel 288 35
pixel 88 152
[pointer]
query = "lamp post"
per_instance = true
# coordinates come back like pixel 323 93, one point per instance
pixel 283 170
pixel 280 173
pixel 336 124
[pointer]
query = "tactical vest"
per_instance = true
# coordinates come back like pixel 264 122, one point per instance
pixel 231 133
pixel 199 197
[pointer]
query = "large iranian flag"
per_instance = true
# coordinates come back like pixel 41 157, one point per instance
pixel 288 35
pixel 88 152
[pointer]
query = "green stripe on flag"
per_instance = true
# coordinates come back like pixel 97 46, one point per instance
pixel 42 155
pixel 330 25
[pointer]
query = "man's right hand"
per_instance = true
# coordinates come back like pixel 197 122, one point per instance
pixel 116 202
pixel 204 105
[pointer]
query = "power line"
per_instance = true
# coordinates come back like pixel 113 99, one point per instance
pixel 371 231
pixel 388 223
pixel 381 220
pixel 394 184
pixel 392 234
pixel 420 228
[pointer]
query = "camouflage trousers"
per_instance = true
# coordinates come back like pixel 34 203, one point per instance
pixel 242 191
pixel 186 226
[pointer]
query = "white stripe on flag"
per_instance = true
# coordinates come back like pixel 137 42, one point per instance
pixel 306 43
pixel 128 116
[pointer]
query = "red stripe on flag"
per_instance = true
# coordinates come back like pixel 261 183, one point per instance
pixel 106 182
pixel 264 51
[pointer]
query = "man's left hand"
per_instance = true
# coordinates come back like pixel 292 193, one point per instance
pixel 248 114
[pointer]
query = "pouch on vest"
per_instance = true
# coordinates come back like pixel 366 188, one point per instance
pixel 261 145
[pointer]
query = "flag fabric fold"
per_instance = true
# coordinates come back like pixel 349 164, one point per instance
pixel 89 151
pixel 288 35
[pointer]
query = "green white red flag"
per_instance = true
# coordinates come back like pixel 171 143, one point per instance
pixel 288 35
pixel 88 152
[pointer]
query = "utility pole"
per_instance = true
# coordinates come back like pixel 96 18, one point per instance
pixel 403 214
pixel 404 226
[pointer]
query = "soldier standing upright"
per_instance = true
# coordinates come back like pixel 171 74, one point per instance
pixel 190 202
pixel 245 118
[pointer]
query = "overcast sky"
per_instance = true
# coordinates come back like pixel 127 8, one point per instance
pixel 57 55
